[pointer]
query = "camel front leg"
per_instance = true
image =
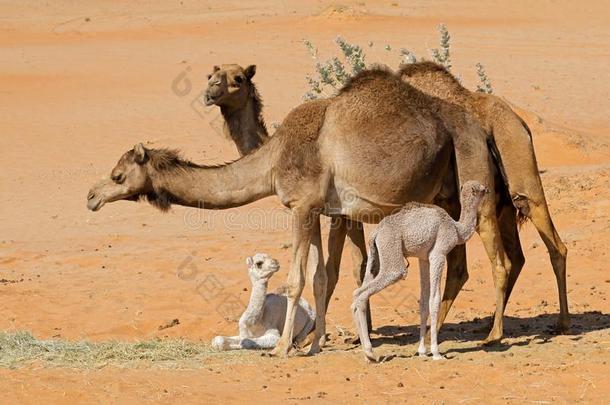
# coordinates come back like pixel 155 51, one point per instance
pixel 302 225
pixel 315 264
pixel 474 163
pixel 500 262
pixel 336 240
pixel 437 265
pixel 340 228
pixel 357 244
pixel 509 230
pixel 267 341
pixel 424 304
pixel 224 343
pixel 457 265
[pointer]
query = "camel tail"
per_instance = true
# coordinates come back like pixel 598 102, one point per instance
pixel 512 150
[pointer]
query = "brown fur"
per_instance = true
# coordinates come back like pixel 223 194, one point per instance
pixel 510 143
pixel 351 155
pixel 230 87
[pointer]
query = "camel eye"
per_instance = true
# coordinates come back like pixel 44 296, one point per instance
pixel 209 77
pixel 259 264
pixel 118 178
pixel 238 79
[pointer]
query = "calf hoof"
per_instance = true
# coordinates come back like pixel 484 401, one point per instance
pixel 438 356
pixel 370 357
pixel 218 343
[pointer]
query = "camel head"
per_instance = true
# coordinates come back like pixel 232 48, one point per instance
pixel 128 180
pixel 228 86
pixel 261 267
pixel 473 192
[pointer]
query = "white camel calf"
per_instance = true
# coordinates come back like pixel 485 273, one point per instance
pixel 261 324
pixel 428 233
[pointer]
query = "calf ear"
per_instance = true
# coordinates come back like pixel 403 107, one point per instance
pixel 250 71
pixel 249 262
pixel 216 68
pixel 139 152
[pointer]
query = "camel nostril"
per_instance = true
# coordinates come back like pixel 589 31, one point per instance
pixel 90 195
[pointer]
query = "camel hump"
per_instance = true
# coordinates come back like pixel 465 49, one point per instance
pixel 368 77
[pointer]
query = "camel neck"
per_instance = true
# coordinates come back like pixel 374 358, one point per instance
pixel 468 220
pixel 218 187
pixel 245 125
pixel 257 302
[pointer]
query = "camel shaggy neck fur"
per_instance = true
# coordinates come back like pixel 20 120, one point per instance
pixel 375 146
pixel 263 320
pixel 230 87
pixel 428 233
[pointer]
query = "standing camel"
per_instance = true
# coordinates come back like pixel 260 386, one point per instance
pixel 363 154
pixel 428 233
pixel 510 141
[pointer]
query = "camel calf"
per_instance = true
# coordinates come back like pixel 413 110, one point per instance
pixel 261 323
pixel 428 233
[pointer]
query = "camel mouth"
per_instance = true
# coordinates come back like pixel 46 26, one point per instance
pixel 95 204
pixel 209 99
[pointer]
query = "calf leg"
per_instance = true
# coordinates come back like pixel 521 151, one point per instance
pixel 267 341
pixel 424 305
pixel 437 265
pixel 391 269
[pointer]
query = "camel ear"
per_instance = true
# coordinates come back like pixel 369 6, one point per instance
pixel 249 262
pixel 139 152
pixel 250 71
pixel 216 68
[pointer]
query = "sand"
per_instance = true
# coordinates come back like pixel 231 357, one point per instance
pixel 80 83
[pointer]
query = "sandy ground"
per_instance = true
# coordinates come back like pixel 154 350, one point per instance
pixel 81 82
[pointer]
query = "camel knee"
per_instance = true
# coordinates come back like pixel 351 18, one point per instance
pixel 295 288
pixel 560 253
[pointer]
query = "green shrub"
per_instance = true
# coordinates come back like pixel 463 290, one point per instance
pixel 330 75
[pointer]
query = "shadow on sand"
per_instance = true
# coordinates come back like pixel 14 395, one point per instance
pixel 539 327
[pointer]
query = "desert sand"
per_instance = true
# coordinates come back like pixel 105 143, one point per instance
pixel 81 83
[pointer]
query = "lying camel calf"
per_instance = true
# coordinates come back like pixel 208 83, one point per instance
pixel 428 233
pixel 261 324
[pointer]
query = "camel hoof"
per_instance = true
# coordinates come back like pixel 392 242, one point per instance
pixel 279 352
pixel 438 356
pixel 371 358
pixel 352 340
pixel 422 354
pixel 563 326
pixel 218 343
pixel 492 340
pixel 313 350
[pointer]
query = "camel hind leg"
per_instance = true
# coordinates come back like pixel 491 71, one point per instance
pixel 540 217
pixel 474 162
pixel 514 150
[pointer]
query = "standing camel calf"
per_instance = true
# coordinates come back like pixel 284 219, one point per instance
pixel 428 233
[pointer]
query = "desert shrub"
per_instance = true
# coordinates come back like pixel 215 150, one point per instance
pixel 330 75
